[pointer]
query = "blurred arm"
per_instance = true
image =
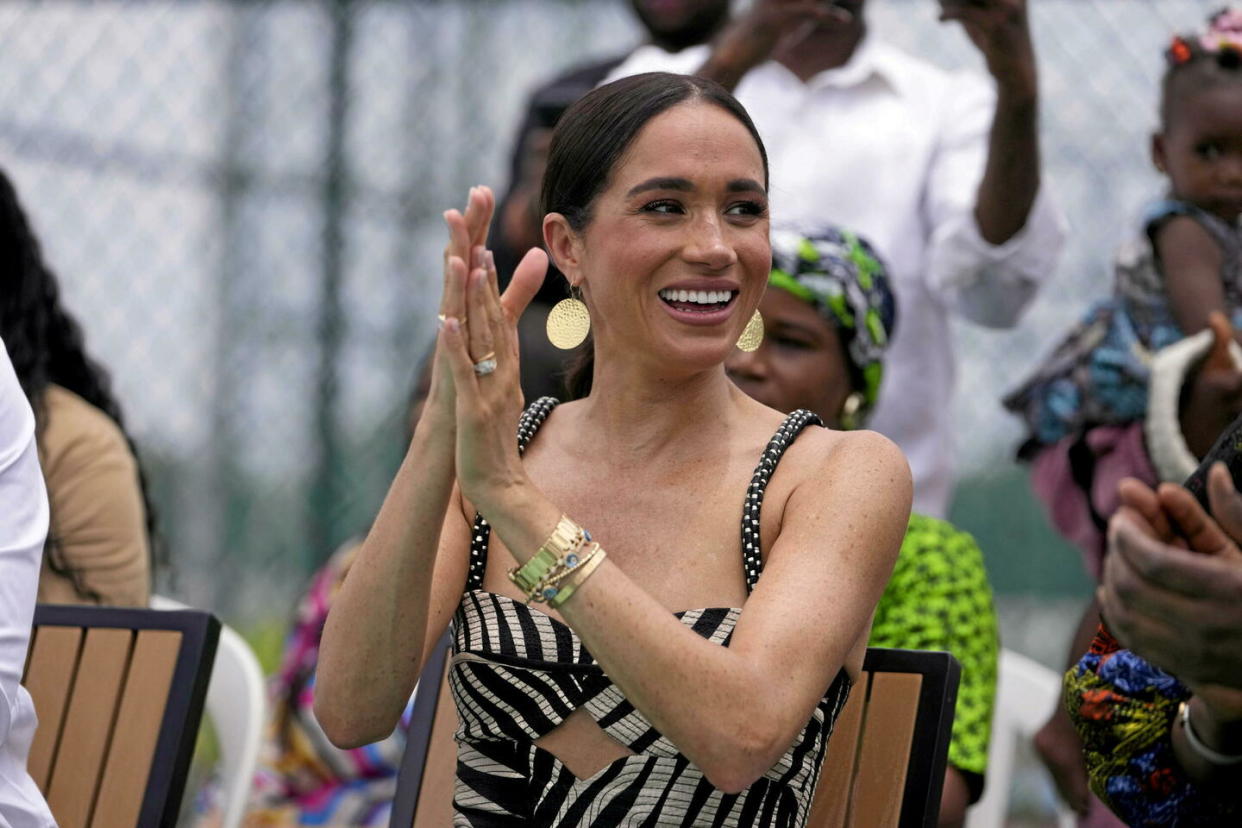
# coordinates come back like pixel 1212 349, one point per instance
pixel 23 527
pixel 995 235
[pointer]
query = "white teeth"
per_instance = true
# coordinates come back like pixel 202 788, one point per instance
pixel 699 297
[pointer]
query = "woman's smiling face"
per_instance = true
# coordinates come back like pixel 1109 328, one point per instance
pixel 676 254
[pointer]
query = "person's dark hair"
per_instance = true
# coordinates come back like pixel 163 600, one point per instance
pixel 45 344
pixel 594 134
pixel 1199 61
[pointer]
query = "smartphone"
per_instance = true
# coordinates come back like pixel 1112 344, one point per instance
pixel 1228 450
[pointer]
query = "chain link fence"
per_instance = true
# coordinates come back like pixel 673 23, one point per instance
pixel 242 200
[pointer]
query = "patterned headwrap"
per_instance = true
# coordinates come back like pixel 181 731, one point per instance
pixel 841 275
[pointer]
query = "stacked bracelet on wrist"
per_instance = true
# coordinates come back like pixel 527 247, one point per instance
pixel 1215 757
pixel 559 566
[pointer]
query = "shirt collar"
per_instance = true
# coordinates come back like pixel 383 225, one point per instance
pixel 867 62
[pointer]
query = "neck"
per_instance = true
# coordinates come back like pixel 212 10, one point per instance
pixel 638 414
pixel 823 48
pixel 695 36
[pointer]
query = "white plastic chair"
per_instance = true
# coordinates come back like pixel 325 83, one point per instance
pixel 237 705
pixel 1026 693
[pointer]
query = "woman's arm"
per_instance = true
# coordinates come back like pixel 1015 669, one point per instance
pixel 397 598
pixel 411 569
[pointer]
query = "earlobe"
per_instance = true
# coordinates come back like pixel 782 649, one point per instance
pixel 562 244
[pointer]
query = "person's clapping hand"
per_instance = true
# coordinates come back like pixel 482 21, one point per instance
pixel 478 344
pixel 1172 584
pixel 999 29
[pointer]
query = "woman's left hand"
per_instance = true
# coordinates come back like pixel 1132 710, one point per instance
pixel 489 402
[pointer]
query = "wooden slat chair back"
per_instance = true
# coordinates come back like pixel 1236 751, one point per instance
pixel 886 760
pixel 884 767
pixel 119 694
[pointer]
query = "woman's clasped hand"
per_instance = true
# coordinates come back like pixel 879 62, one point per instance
pixel 475 383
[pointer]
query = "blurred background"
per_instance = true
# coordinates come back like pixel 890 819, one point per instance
pixel 242 201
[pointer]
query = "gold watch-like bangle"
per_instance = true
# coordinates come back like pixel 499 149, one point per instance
pixel 568 537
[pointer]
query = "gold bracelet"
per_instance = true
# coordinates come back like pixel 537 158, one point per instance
pixel 568 537
pixel 579 578
pixel 546 589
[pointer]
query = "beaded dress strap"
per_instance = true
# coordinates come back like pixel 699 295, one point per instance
pixel 528 424
pixel 752 549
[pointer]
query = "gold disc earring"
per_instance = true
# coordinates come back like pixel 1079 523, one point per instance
pixel 569 322
pixel 752 334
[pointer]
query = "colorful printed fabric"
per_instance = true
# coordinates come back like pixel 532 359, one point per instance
pixel 303 779
pixel 842 276
pixel 1124 707
pixel 939 599
pixel 1098 374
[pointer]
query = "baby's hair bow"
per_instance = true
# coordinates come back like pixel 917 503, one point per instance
pixel 1224 32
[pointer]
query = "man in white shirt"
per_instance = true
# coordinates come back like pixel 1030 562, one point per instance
pixel 939 171
pixel 23 528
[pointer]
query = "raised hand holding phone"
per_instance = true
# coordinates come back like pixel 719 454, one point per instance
pixel 1000 30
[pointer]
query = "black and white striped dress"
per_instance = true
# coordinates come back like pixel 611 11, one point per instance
pixel 517 673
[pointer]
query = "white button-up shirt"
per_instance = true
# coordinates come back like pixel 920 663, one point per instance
pixel 894 148
pixel 23 527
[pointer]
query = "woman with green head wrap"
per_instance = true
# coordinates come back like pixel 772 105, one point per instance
pixel 828 315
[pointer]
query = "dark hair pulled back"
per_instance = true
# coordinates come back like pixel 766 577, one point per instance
pixel 594 134
pixel 46 346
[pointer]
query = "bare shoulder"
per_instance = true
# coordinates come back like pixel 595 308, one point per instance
pixel 866 457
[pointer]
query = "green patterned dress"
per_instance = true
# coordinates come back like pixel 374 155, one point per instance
pixel 939 599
